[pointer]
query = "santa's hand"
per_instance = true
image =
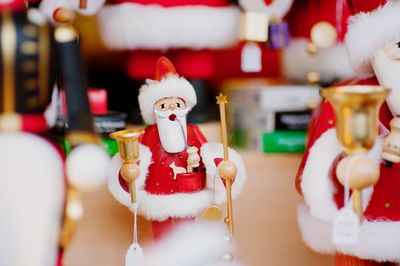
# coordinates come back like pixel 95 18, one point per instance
pixel 361 170
pixel 130 172
pixel 227 170
pixel 86 167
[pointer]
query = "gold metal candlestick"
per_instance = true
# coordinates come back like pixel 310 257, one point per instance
pixel 128 145
pixel 356 111
pixel 229 174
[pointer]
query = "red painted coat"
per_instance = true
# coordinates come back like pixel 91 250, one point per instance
pixel 160 179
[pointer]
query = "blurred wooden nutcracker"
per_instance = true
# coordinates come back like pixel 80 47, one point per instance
pixel 316 53
pixel 373 43
pixel 179 170
pixel 39 207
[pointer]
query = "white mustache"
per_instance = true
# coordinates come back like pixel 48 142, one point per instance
pixel 166 114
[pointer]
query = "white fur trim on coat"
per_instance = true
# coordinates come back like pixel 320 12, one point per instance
pixel 170 86
pixel 367 32
pixel 332 63
pixel 208 152
pixel 134 26
pixel 378 240
pixel 316 184
pixel 179 205
pixel 275 9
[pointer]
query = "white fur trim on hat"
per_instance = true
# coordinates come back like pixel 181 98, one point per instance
pixel 378 240
pixel 316 184
pixel 134 26
pixel 169 86
pixel 275 9
pixel 331 63
pixel 208 152
pixel 368 32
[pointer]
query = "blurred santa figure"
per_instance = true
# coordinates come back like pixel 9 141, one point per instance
pixel 373 42
pixel 316 53
pixel 174 187
pixel 195 34
pixel 39 199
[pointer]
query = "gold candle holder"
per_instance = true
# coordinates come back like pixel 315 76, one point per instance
pixel 128 144
pixel 356 111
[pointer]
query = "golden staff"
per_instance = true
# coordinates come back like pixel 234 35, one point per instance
pixel 229 172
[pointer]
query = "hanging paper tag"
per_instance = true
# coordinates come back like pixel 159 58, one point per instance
pixel 345 227
pixel 278 35
pixel 134 256
pixel 251 58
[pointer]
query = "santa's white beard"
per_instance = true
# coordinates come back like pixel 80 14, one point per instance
pixel 172 133
pixel 387 72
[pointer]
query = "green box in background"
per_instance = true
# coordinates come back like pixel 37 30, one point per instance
pixel 280 141
pixel 284 141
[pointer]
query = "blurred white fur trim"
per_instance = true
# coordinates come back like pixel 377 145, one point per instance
pixel 194 244
pixel 31 200
pixel 332 63
pixel 378 240
pixel 134 26
pixel 208 152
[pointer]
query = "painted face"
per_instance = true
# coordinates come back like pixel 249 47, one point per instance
pixel 386 65
pixel 171 123
pixel 168 104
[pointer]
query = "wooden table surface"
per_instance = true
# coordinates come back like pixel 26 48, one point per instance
pixel 265 221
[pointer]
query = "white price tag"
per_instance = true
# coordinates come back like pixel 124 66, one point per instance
pixel 251 58
pixel 345 227
pixel 134 256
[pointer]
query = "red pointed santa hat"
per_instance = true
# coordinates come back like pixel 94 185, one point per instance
pixel 166 83
pixel 374 23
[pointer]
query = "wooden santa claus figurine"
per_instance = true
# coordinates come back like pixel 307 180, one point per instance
pixel 372 41
pixel 173 186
